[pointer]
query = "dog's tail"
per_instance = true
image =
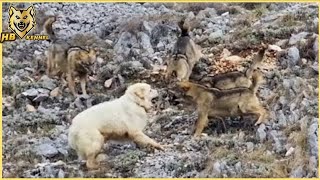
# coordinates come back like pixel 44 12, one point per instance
pixel 256 62
pixel 184 29
pixel 257 79
pixel 47 26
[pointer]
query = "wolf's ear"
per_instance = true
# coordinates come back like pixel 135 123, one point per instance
pixel 185 85
pixel 12 10
pixel 30 10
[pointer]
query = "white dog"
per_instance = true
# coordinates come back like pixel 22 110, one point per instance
pixel 119 119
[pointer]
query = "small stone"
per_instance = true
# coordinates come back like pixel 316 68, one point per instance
pixel 238 167
pixel 304 61
pixel 47 82
pixel 289 152
pixel 261 133
pixel 31 92
pixel 234 59
pixel 295 38
pixel 37 53
pixel 293 56
pixel 215 35
pixel 282 43
pixel 55 92
pixel 108 83
pixel 274 48
pixel 225 53
pixel 250 146
pixel 298 172
pixel 100 60
pixel 217 167
pixel 61 174
pixel 30 108
pixel 109 42
pixel 225 14
pixel 241 136
pixel 47 150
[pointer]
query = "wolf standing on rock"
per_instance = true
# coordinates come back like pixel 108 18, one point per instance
pixel 70 61
pixel 185 55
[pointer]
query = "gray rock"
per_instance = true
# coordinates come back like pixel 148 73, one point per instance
pixel 47 82
pixel 213 37
pixel 316 46
pixel 282 43
pixel 282 119
pixel 146 27
pixel 313 165
pixel 250 146
pixel 41 97
pixel 261 133
pixel 47 150
pixel 43 91
pixel 313 137
pixel 145 43
pixel 298 84
pixel 283 100
pixel 298 172
pixel 217 168
pixel 61 173
pixel 30 93
pixel 125 42
pixel 201 15
pixel 211 12
pixel 238 167
pixel 293 56
pixel 295 38
pixel 315 66
pixel 278 146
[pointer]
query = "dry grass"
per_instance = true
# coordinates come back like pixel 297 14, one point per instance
pixel 298 136
pixel 260 11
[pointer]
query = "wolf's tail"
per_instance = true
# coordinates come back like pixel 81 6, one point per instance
pixel 256 62
pixel 184 30
pixel 257 79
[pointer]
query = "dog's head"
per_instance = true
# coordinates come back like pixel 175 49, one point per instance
pixel 88 58
pixel 21 21
pixel 142 94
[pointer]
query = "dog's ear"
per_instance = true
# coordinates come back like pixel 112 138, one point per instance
pixel 12 10
pixel 140 93
pixel 30 10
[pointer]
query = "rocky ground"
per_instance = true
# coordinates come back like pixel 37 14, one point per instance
pixel 133 41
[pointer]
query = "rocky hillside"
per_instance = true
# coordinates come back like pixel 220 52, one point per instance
pixel 133 40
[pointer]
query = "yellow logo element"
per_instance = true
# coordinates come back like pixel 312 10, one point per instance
pixel 21 21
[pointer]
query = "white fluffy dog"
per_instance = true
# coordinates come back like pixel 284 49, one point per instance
pixel 119 119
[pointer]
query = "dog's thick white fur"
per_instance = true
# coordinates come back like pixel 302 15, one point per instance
pixel 119 119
